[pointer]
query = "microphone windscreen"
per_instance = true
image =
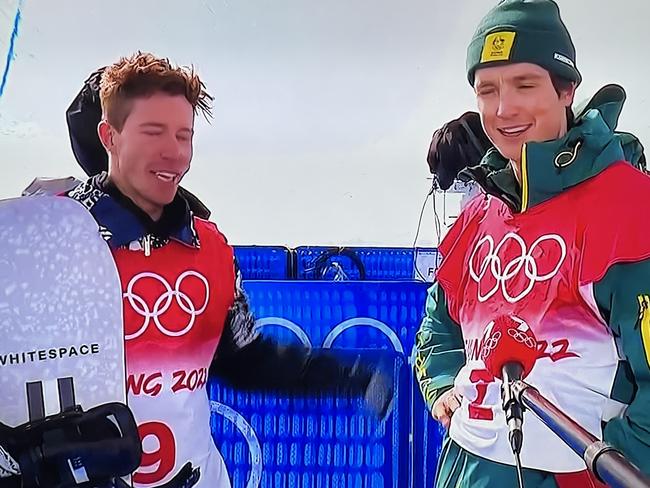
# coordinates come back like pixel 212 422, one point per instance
pixel 509 340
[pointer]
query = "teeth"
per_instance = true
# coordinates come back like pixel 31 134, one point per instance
pixel 514 130
pixel 165 176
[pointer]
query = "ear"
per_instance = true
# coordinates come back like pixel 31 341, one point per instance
pixel 567 96
pixel 106 133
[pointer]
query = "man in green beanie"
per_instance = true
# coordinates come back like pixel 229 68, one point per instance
pixel 552 246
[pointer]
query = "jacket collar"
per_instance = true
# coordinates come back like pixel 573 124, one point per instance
pixel 123 224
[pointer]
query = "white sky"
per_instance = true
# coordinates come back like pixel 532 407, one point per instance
pixel 323 112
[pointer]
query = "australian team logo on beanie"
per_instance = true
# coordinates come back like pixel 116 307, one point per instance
pixel 497 46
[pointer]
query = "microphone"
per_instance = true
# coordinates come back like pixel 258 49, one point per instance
pixel 509 352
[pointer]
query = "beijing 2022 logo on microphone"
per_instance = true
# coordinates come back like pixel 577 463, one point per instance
pixel 515 328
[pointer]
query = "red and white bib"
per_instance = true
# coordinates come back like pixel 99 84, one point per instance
pixel 175 304
pixel 539 267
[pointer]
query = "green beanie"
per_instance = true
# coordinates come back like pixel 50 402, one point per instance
pixel 523 31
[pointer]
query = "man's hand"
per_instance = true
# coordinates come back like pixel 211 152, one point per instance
pixel 379 394
pixel 445 406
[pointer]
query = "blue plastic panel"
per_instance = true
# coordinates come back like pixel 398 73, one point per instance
pixel 263 262
pixel 380 263
pixel 324 442
pixel 427 444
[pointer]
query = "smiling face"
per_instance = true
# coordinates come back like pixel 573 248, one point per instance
pixel 148 108
pixel 518 104
pixel 152 152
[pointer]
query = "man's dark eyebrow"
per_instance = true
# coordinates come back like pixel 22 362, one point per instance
pixel 517 79
pixel 483 84
pixel 530 77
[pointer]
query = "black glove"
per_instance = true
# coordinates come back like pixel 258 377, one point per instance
pixel 458 144
pixel 263 364
pixel 379 394
pixel 187 477
pixel 76 448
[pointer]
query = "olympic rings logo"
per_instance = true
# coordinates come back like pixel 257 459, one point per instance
pixel 490 344
pixel 504 272
pixel 164 301
pixel 254 448
pixel 522 338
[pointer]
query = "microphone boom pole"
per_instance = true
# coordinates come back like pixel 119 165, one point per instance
pixel 607 463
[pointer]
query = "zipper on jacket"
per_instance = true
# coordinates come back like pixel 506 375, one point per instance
pixel 147 245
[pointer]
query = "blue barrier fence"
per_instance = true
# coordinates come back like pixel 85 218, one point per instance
pixel 264 262
pixel 279 441
pixel 335 263
pixel 391 264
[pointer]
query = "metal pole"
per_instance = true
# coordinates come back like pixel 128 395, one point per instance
pixel 608 464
